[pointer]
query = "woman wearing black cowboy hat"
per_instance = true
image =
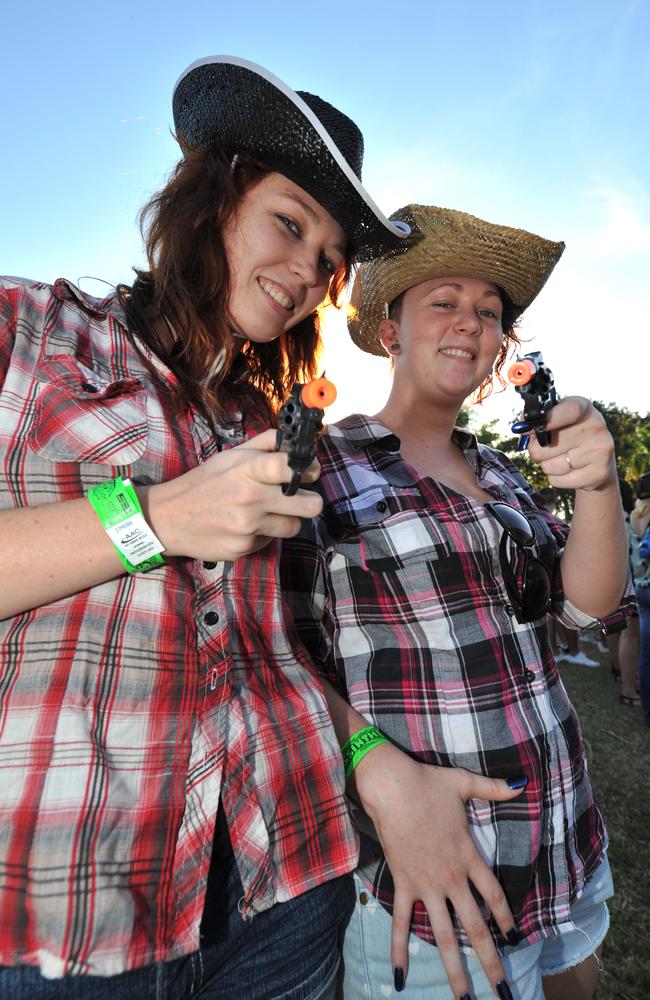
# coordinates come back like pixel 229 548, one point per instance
pixel 159 737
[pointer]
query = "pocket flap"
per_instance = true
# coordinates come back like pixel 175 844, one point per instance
pixel 82 417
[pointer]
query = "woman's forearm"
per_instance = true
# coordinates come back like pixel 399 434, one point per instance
pixel 50 552
pixel 595 562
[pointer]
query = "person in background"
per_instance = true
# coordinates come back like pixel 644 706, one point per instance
pixel 639 522
pixel 172 810
pixel 421 592
pixel 624 645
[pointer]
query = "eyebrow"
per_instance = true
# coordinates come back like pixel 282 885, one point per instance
pixel 312 214
pixel 453 284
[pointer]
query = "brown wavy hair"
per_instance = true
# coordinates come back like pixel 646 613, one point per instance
pixel 186 289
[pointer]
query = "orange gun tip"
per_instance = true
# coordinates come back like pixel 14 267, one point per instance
pixel 318 393
pixel 521 372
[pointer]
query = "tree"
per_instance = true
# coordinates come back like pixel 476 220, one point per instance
pixel 631 433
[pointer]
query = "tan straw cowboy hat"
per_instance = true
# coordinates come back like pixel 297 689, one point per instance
pixel 445 243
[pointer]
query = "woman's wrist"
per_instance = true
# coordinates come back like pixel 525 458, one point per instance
pixel 118 507
pixel 368 782
pixel 158 512
pixel 359 745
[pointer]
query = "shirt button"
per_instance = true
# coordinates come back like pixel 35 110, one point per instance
pixel 89 387
pixel 382 506
pixel 529 675
pixel 211 618
pixel 209 565
pixel 363 898
pixel 508 609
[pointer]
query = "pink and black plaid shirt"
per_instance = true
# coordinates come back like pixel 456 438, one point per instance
pixel 127 710
pixel 397 593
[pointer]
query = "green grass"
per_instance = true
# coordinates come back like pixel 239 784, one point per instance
pixel 618 752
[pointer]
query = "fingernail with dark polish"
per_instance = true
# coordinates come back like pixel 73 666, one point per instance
pixel 399 979
pixel 504 990
pixel 465 996
pixel 514 936
pixel 519 782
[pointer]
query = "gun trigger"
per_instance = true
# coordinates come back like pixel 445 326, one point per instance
pixel 290 489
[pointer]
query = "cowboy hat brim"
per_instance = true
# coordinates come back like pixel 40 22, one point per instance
pixel 443 243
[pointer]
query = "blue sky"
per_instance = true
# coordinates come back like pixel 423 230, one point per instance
pixel 531 114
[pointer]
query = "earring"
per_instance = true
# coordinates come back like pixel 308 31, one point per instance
pixel 394 348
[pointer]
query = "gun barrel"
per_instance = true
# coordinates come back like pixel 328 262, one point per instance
pixel 318 393
pixel 300 422
pixel 522 371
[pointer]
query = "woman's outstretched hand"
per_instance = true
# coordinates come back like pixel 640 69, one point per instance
pixel 230 505
pixel 581 453
pixel 419 814
pixel 581 458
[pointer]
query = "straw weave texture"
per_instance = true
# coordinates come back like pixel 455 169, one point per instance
pixel 443 243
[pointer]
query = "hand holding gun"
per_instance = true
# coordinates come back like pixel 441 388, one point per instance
pixel 533 380
pixel 300 423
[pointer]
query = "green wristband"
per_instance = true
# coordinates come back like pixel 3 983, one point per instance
pixel 356 748
pixel 118 508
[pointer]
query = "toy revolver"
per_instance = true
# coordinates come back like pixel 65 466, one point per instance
pixel 533 380
pixel 300 423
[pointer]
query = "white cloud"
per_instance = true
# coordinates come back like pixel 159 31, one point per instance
pixel 625 230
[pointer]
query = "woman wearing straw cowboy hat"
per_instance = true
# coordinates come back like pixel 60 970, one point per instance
pixel 422 592
pixel 149 695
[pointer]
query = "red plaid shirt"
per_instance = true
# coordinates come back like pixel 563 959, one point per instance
pixel 398 595
pixel 127 710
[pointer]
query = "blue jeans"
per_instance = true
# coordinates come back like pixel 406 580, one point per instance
pixel 290 952
pixel 643 604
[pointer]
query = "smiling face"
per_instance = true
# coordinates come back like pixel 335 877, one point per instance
pixel 446 336
pixel 283 249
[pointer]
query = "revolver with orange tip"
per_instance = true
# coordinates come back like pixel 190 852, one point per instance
pixel 533 380
pixel 300 423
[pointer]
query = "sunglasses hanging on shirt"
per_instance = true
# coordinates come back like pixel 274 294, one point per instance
pixel 529 591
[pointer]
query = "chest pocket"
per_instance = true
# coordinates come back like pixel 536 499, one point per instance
pixel 388 529
pixel 81 417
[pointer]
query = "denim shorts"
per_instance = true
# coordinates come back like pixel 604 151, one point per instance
pixel 290 952
pixel 369 976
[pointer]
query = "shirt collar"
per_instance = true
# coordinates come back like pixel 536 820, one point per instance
pixel 108 306
pixel 357 431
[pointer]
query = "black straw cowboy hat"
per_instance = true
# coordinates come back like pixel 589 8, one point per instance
pixel 227 103
pixel 445 243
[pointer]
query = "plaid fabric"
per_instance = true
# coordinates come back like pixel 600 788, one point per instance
pixel 398 595
pixel 127 710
